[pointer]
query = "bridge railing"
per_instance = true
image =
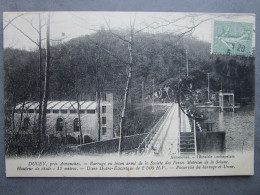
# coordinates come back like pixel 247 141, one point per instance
pixel 151 134
pixel 195 137
pixel 226 91
pixel 129 143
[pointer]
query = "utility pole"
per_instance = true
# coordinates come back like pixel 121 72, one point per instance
pixel 187 63
pixel 153 97
pixel 143 94
pixel 98 101
pixel 208 85
pixel 179 105
pixel 179 98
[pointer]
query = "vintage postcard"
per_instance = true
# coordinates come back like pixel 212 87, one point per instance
pixel 128 94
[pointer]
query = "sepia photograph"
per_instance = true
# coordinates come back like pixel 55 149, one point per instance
pixel 128 94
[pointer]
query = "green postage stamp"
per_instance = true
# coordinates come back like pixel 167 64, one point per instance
pixel 232 38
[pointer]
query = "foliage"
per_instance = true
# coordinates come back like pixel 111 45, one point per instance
pixel 77 65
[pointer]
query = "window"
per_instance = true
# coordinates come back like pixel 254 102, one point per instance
pixel 73 111
pixel 104 97
pixel 104 109
pixel 76 124
pixel 22 111
pixel 104 120
pixel 64 111
pixel 104 130
pixel 26 123
pixel 82 111
pixel 91 111
pixel 55 111
pixel 31 111
pixel 59 124
pixel 47 111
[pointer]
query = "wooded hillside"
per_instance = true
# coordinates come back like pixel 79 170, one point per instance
pixel 79 65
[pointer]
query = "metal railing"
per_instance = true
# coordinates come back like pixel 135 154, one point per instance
pixel 152 133
pixel 226 91
pixel 166 133
pixel 195 140
pixel 179 142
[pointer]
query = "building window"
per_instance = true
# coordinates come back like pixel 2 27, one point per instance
pixel 104 97
pixel 82 111
pixel 59 124
pixel 22 111
pixel 47 111
pixel 56 111
pixel 73 111
pixel 26 123
pixel 31 111
pixel 104 109
pixel 76 124
pixel 64 111
pixel 104 120
pixel 104 130
pixel 91 111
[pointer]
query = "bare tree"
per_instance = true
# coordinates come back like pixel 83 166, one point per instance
pixel 10 21
pixel 39 46
pixel 46 81
pixel 182 32
pixel 77 92
pixel 129 67
pixel 40 82
pixel 126 93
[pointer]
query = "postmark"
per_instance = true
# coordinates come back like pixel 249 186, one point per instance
pixel 232 38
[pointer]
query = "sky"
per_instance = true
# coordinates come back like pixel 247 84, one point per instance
pixel 67 25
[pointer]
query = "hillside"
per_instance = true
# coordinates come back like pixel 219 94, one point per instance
pixel 81 64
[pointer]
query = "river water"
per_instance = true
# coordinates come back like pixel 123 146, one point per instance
pixel 238 125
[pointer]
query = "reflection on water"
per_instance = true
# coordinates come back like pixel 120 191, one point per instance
pixel 239 127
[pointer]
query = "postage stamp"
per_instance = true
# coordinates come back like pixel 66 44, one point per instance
pixel 232 38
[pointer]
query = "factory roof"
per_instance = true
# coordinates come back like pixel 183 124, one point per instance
pixel 59 105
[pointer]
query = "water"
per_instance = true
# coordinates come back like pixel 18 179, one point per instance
pixel 239 127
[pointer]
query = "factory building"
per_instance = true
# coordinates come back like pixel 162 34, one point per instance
pixel 63 119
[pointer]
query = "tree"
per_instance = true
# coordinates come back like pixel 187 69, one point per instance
pixel 46 81
pixel 10 21
pixel 40 82
pixel 128 84
pixel 82 68
pixel 129 63
pixel 39 45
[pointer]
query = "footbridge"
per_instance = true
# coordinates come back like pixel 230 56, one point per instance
pixel 172 135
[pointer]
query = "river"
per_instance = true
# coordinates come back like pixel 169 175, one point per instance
pixel 239 127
